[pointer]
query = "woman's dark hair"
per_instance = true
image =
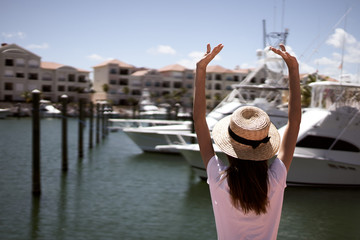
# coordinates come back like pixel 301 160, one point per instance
pixel 248 183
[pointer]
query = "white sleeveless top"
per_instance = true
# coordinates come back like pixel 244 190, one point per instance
pixel 232 223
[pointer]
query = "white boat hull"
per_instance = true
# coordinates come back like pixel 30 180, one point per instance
pixel 148 140
pixel 304 170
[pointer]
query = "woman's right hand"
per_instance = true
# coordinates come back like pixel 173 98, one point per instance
pixel 290 61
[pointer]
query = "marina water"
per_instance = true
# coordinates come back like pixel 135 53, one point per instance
pixel 118 192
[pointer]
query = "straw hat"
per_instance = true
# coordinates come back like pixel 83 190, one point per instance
pixel 247 134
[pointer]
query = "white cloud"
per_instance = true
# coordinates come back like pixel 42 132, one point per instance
pixel 193 58
pixel 38 46
pixel 20 35
pixel 326 61
pixel 162 49
pixel 97 57
pixel 338 37
pixel 305 68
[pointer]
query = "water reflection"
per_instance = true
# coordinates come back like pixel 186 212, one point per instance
pixel 62 206
pixel 320 213
pixel 35 217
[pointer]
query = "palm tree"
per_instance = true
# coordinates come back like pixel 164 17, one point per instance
pixel 306 89
pixel 105 87
pixel 27 96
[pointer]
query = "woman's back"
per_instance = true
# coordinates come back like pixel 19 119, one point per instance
pixel 232 223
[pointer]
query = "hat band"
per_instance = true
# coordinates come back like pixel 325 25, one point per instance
pixel 253 143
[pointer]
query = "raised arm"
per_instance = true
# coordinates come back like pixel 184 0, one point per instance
pixel 199 106
pixel 288 142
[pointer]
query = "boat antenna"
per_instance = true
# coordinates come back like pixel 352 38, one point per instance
pixel 342 51
pixel 323 41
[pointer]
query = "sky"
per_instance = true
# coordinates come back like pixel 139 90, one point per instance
pixel 157 33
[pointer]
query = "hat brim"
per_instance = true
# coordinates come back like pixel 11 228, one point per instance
pixel 235 149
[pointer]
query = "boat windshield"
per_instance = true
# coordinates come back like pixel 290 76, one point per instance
pixel 332 95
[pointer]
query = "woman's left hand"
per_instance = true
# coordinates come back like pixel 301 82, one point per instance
pixel 209 55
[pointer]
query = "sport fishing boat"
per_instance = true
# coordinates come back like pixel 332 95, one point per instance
pixel 327 152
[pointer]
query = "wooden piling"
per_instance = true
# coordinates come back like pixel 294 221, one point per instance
pixel 64 145
pixel 97 123
pixel 103 121
pixel 36 179
pixel 81 129
pixel 91 119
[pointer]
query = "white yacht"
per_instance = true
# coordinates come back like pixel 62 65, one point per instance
pixel 328 149
pixel 4 112
pixel 268 96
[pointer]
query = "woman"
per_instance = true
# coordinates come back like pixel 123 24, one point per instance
pixel 247 195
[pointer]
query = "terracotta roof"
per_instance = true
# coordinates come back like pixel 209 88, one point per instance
pixel 54 65
pixel 140 73
pixel 244 71
pixel 51 65
pixel 116 62
pixel 173 67
pixel 216 69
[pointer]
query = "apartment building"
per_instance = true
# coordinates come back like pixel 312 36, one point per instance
pixel 22 71
pixel 112 82
pixel 123 83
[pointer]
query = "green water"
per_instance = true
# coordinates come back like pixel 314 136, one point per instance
pixel 118 192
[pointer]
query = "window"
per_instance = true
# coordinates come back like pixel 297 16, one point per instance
pixel 262 80
pixel 33 76
pixel 253 80
pixel 123 81
pixel 20 75
pixel 9 73
pixel 33 63
pixel 148 84
pixel 71 77
pixel 81 78
pixel 71 89
pixel 236 78
pixel 8 86
pixel 124 71
pixel 166 84
pixel 177 74
pixel 112 81
pixel 46 88
pixel 157 84
pixel 62 77
pixel 113 71
pixel 61 88
pixel 320 142
pixel 9 62
pixel 177 84
pixel 218 77
pixel 20 62
pixel 218 86
pixel 189 76
pixel 46 76
pixel 136 92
